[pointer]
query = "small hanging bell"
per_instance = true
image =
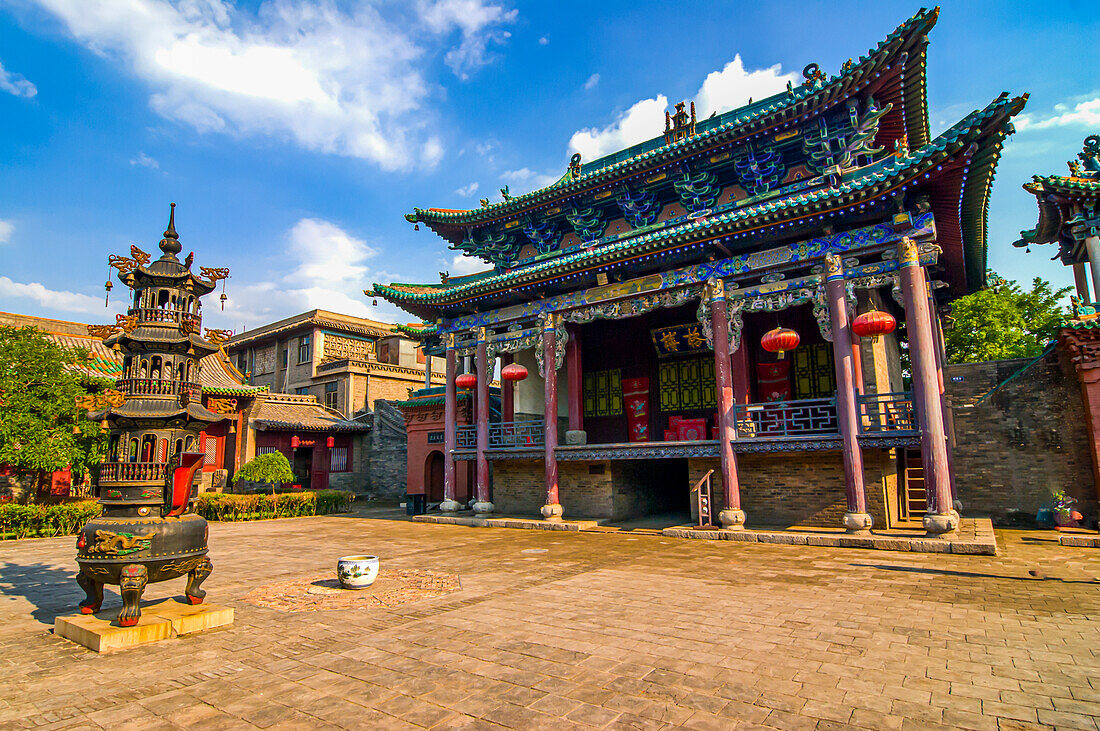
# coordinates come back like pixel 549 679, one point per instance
pixel 375 302
pixel 223 298
pixel 416 227
pixel 107 286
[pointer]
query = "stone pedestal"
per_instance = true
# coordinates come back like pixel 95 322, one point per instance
pixel 941 524
pixel 732 519
pixel 857 523
pixel 483 507
pixel 576 437
pixel 450 506
pixel 160 621
pixel 551 512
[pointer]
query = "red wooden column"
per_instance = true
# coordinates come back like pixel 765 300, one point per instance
pixel 856 520
pixel 740 374
pixel 940 518
pixel 552 510
pixel 576 384
pixel 732 517
pixel 948 415
pixel 481 368
pixel 507 391
pixel 450 429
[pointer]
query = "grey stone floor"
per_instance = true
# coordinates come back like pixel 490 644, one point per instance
pixel 604 630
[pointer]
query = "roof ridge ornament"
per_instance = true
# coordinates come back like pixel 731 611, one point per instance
pixel 1089 165
pixel 678 125
pixel 170 244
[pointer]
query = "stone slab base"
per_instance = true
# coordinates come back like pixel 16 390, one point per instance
pixel 502 522
pixel 975 537
pixel 1079 540
pixel 160 621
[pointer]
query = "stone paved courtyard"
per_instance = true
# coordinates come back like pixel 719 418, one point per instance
pixel 555 630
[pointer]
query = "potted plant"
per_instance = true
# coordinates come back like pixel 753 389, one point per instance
pixel 271 469
pixel 1064 514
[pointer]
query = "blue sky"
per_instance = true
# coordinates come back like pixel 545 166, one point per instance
pixel 293 135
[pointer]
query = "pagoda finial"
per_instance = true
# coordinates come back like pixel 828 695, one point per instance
pixel 170 244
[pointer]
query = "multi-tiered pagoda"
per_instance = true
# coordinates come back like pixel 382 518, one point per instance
pixel 723 298
pixel 146 532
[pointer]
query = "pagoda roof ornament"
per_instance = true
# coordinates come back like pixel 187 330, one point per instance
pixel 170 244
pixel 1089 165
pixel 678 125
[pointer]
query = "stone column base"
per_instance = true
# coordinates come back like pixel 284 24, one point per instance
pixel 576 436
pixel 551 512
pixel 450 506
pixel 938 524
pixel 857 522
pixel 483 507
pixel 732 519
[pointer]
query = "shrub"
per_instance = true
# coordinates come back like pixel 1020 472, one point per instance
pixel 270 468
pixel 232 508
pixel 25 521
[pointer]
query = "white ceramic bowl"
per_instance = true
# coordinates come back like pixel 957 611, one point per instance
pixel 357 572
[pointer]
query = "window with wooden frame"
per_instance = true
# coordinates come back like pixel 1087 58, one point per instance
pixel 686 385
pixel 332 395
pixel 305 349
pixel 338 459
pixel 603 393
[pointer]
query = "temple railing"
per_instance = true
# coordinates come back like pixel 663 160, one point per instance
pixel 157 314
pixel 814 417
pixel 132 471
pixel 528 434
pixel 513 434
pixel 157 387
pixel 887 412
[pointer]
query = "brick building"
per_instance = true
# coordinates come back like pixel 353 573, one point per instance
pixel 346 362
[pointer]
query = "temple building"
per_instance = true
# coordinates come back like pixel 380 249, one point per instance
pixel 689 307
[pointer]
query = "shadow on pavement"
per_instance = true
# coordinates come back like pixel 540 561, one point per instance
pixel 51 590
pixel 970 574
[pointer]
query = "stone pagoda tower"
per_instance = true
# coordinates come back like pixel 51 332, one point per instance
pixel 147 532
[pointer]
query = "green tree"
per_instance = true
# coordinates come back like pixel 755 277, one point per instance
pixel 1004 321
pixel 41 427
pixel 271 468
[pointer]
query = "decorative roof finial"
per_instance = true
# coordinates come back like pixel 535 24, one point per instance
pixel 170 244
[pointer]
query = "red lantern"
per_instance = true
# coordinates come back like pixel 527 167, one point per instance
pixel 330 442
pixel 513 372
pixel 295 442
pixel 779 340
pixel 466 380
pixel 873 324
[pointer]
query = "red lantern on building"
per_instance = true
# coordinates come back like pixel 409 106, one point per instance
pixel 874 324
pixel 466 380
pixel 513 372
pixel 330 442
pixel 779 340
pixel 295 442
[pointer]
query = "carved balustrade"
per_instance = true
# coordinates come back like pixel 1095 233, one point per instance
pixel 816 417
pixel 157 314
pixel 132 471
pixel 158 387
pixel 887 412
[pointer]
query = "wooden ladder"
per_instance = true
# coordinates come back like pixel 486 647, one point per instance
pixel 702 499
pixel 914 496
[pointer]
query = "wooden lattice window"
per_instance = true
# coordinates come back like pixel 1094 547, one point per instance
pixel 686 385
pixel 603 393
pixel 812 372
pixel 338 459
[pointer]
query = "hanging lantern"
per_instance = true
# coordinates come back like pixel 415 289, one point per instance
pixel 874 324
pixel 513 372
pixel 466 380
pixel 330 442
pixel 295 442
pixel 779 340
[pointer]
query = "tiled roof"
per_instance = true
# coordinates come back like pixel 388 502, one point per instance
pixel 867 182
pixel 314 318
pixel 290 412
pixel 908 37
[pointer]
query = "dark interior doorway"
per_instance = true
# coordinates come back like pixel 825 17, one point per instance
pixel 433 479
pixel 303 466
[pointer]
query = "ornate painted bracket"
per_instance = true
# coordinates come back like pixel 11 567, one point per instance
pixel 561 337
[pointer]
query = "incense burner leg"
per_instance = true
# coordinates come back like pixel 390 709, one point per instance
pixel 131 584
pixel 93 591
pixel 194 594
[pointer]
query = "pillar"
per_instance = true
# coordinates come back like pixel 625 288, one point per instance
pixel 450 429
pixel 576 433
pixel 940 518
pixel 552 509
pixel 1092 246
pixel 1081 281
pixel 507 392
pixel 481 369
pixel 948 414
pixel 856 520
pixel 427 371
pixel 739 374
pixel 732 517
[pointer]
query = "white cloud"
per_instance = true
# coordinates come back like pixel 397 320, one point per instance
pixel 591 82
pixel 14 83
pixel 7 228
pixel 326 254
pixel 335 79
pixel 721 91
pixel 1085 113
pixel 544 41
pixel 143 160
pixel 461 265
pixel 467 190
pixel 528 179
pixel 53 299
